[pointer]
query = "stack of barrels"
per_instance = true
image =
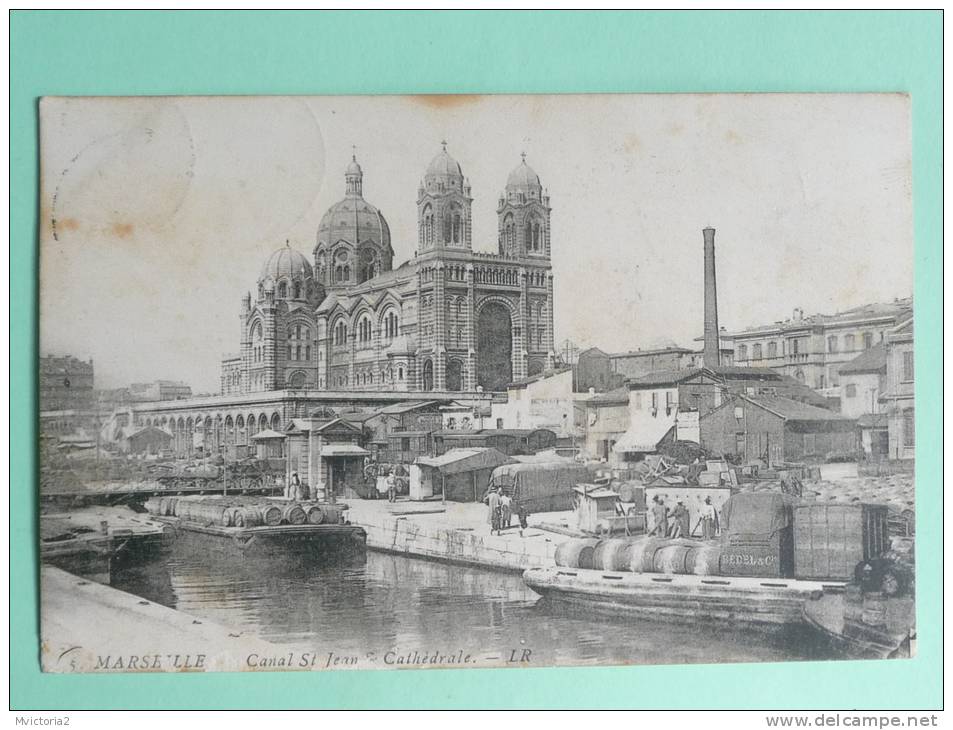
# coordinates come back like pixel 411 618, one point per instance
pixel 640 555
pixel 243 512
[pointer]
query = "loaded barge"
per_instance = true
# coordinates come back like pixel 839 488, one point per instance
pixel 302 529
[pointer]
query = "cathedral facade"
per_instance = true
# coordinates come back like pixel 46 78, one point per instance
pixel 450 319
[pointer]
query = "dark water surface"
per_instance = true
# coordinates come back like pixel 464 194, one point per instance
pixel 365 606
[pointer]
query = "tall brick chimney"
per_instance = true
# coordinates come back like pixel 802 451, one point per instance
pixel 711 353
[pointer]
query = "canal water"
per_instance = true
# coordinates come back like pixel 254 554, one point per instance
pixel 379 608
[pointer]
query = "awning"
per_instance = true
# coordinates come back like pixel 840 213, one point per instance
pixel 456 461
pixel 643 438
pixel 343 450
pixel 267 434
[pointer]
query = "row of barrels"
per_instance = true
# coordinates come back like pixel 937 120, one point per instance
pixel 640 555
pixel 239 514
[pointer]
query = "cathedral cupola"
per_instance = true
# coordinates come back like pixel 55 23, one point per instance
pixel 523 214
pixel 443 205
pixel 353 241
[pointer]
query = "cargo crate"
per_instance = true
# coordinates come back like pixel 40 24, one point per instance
pixel 831 539
pixel 758 556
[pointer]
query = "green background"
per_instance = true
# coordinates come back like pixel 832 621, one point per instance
pixel 100 53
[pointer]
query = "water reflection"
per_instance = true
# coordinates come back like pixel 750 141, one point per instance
pixel 377 602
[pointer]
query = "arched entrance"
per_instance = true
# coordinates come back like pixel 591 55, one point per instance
pixel 428 375
pixel 454 375
pixel 494 347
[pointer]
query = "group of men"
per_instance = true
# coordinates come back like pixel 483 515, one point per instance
pixel 501 510
pixel 677 523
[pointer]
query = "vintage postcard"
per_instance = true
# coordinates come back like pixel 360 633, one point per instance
pixel 414 382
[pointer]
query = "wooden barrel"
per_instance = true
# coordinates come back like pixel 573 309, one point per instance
pixel 611 555
pixel 642 554
pixel 576 552
pixel 170 503
pixel 315 515
pixel 293 514
pixel 875 609
pixel 269 514
pixel 703 560
pixel 182 509
pixel 246 517
pixel 333 514
pixel 671 559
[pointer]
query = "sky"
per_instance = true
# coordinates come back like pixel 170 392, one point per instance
pixel 157 213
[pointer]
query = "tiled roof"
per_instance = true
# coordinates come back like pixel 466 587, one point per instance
pixel 870 361
pixel 792 410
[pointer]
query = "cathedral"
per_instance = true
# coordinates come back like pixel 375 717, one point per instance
pixel 450 319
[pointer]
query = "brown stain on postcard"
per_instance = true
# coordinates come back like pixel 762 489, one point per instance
pixel 121 230
pixel 446 101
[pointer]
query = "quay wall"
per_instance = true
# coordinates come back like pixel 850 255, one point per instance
pixel 403 535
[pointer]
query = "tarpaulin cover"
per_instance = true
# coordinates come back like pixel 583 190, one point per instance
pixel 757 513
pixel 457 461
pixel 545 487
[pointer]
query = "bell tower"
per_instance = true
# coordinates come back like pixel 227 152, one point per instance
pixel 523 214
pixel 443 206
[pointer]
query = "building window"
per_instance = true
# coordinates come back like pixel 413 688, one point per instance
pixel 795 346
pixel 757 352
pixel 909 425
pixel 638 401
pixel 772 349
pixel 850 390
pixel 390 325
pixel 742 352
pixel 868 340
pixel 283 290
pixel 832 343
pixel 848 342
pixel 908 366
pixel 740 444
pixel 364 330
pixel 654 403
pixel 340 333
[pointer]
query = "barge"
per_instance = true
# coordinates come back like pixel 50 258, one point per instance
pixel 746 600
pixel 246 524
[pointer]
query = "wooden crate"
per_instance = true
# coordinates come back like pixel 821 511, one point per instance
pixel 758 556
pixel 831 539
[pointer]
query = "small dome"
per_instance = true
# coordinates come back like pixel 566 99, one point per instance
pixel 444 168
pixel 403 345
pixel 523 177
pixel 286 262
pixel 353 168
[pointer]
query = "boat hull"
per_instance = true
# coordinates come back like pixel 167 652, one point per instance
pixel 687 597
pixel 301 539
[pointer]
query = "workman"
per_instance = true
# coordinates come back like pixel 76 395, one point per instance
pixel 659 517
pixel 709 518
pixel 506 510
pixel 391 487
pixel 493 517
pixel 681 526
pixel 293 486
